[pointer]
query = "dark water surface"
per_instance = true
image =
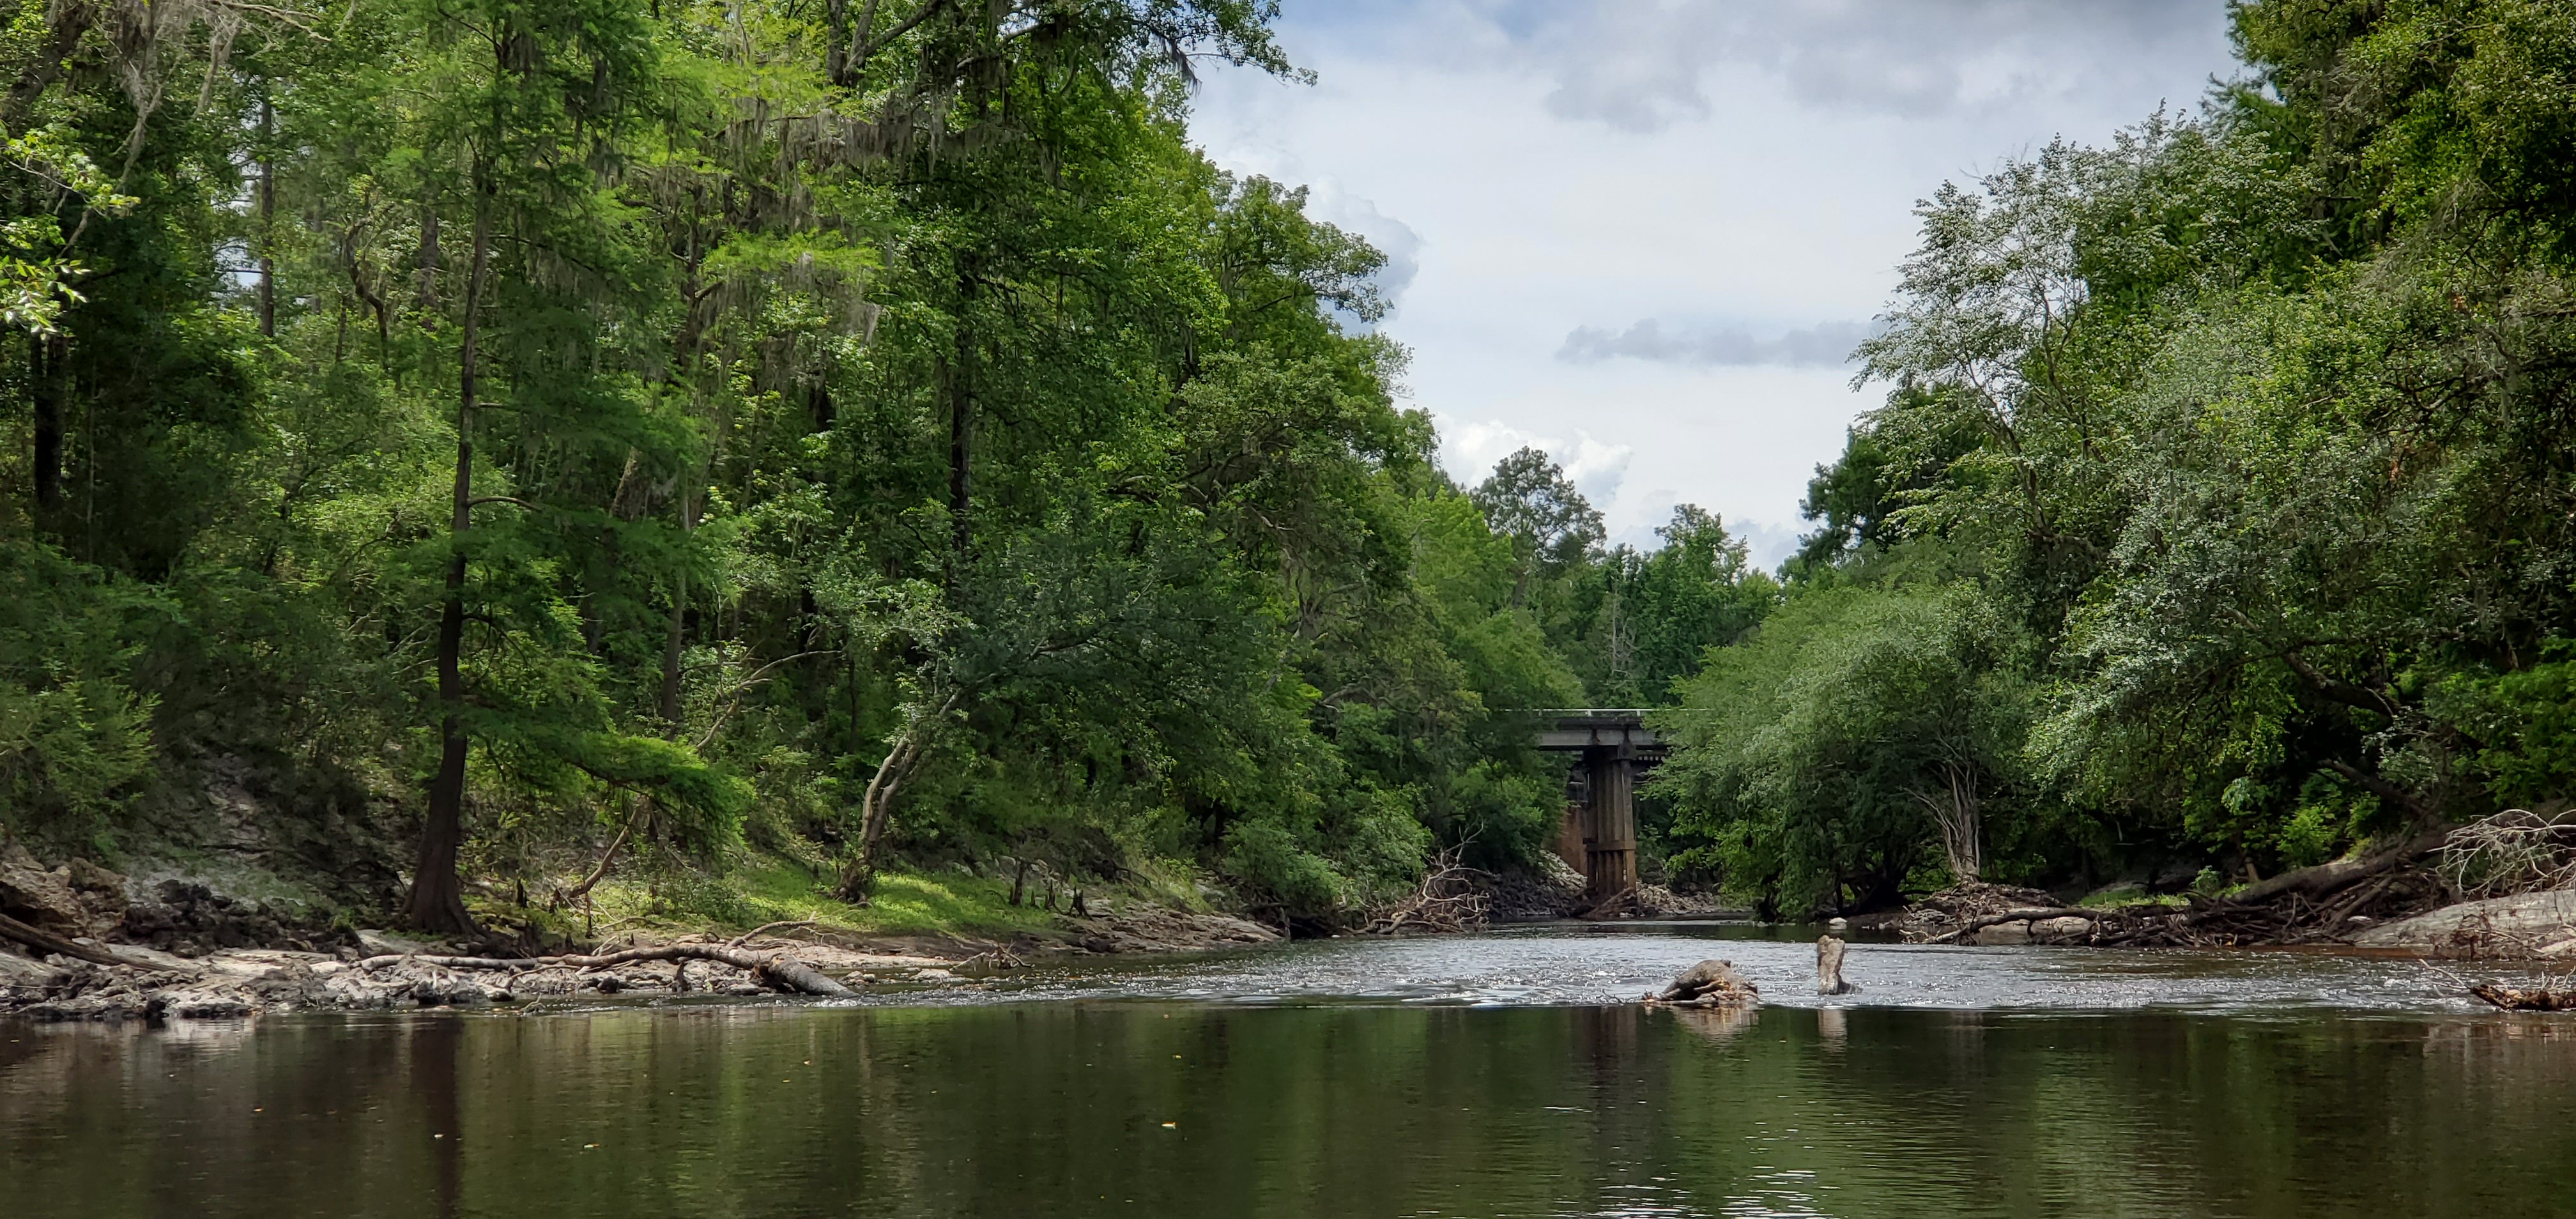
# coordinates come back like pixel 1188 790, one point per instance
pixel 1466 1076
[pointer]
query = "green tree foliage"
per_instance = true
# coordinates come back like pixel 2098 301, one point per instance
pixel 1637 621
pixel 2255 428
pixel 856 432
pixel 1818 758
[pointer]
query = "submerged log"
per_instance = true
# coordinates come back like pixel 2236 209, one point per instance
pixel 776 970
pixel 1829 968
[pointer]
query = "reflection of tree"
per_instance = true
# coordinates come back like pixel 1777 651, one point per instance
pixel 433 1081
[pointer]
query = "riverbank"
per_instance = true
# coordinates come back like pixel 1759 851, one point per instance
pixel 378 970
pixel 79 941
pixel 91 945
pixel 2407 913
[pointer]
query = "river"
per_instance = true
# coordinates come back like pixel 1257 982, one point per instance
pixel 1486 1075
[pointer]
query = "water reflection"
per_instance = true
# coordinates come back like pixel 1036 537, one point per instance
pixel 1170 1109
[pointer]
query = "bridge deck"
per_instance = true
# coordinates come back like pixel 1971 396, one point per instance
pixel 1596 728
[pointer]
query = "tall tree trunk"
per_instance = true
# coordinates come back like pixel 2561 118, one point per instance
pixel 671 641
pixel 836 26
pixel 437 892
pixel 961 432
pixel 45 364
pixel 267 214
pixel 685 352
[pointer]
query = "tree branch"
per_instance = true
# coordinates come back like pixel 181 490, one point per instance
pixel 2379 787
pixel 867 45
pixel 2337 689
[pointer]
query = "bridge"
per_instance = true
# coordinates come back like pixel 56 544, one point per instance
pixel 1598 836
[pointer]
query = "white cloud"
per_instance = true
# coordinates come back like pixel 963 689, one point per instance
pixel 1392 237
pixel 1733 174
pixel 1639 65
pixel 1825 346
pixel 1766 545
pixel 1469 452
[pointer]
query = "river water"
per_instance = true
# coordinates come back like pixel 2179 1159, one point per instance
pixel 1486 1075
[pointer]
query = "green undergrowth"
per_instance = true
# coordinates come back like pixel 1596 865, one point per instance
pixel 769 890
pixel 757 887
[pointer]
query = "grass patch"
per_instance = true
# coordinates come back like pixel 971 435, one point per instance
pixel 761 887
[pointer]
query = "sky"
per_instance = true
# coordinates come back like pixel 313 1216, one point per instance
pixel 1643 234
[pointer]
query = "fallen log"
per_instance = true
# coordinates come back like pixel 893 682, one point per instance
pixel 49 942
pixel 2325 878
pixel 776 970
pixel 1975 925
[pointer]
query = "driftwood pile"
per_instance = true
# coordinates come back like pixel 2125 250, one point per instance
pixel 2321 904
pixel 1452 897
pixel 776 970
pixel 2515 851
pixel 143 984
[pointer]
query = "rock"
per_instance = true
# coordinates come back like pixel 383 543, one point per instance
pixel 193 920
pixel 40 898
pixel 1829 967
pixel 2062 929
pixel 2014 932
pixel 16 970
pixel 1709 983
pixel 94 881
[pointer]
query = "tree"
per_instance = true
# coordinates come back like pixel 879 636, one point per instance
pixel 1553 528
pixel 1819 759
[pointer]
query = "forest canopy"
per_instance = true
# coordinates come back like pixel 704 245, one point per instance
pixel 453 438
pixel 449 445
